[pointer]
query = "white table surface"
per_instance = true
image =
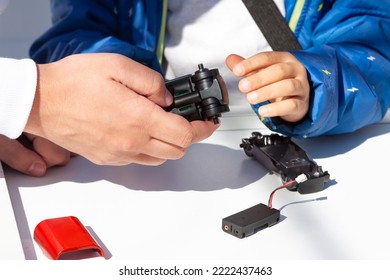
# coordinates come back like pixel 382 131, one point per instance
pixel 174 211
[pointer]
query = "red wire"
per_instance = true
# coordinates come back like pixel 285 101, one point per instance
pixel 278 188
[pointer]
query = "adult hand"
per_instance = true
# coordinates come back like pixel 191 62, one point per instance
pixel 277 77
pixel 31 155
pixel 108 108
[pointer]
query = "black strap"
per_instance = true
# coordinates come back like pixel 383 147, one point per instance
pixel 272 24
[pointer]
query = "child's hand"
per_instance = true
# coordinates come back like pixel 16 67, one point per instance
pixel 277 77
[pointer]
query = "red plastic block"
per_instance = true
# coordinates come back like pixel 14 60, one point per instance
pixel 57 236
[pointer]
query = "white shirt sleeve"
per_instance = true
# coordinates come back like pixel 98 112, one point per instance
pixel 18 82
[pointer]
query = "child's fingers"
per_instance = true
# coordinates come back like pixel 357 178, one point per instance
pixel 262 60
pixel 287 88
pixel 266 76
pixel 233 60
pixel 289 109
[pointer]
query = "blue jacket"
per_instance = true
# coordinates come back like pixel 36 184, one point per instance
pixel 346 51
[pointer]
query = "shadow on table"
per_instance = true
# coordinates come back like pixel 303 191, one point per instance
pixel 205 167
pixel 328 146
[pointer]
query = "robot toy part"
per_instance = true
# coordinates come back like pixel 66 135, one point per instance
pixel 281 155
pixel 201 96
